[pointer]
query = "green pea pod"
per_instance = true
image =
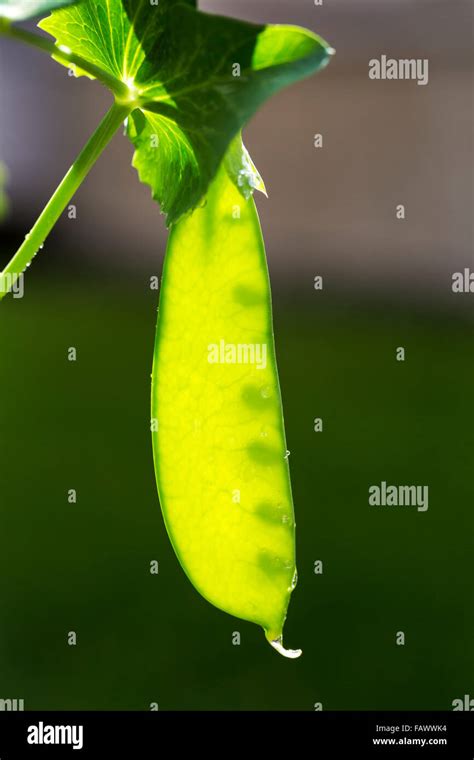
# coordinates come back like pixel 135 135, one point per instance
pixel 219 446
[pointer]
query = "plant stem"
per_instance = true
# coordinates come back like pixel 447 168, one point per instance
pixel 64 56
pixel 59 200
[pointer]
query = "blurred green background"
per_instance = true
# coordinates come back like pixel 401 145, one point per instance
pixel 143 638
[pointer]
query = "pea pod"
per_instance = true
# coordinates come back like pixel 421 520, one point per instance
pixel 219 447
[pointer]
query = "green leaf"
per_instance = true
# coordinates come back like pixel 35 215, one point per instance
pixel 194 80
pixel 19 10
pixel 219 444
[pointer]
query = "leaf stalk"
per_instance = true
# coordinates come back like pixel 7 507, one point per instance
pixel 34 240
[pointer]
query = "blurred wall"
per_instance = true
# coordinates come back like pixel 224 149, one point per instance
pixel 331 210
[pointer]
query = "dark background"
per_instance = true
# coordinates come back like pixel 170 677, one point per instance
pixel 85 425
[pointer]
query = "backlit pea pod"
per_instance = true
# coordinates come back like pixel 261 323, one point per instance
pixel 220 453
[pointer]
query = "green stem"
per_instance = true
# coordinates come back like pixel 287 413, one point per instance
pixel 64 56
pixel 58 202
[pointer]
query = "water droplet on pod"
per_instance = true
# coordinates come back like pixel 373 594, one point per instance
pixel 294 581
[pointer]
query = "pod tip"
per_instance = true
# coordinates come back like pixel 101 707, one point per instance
pixel 291 654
